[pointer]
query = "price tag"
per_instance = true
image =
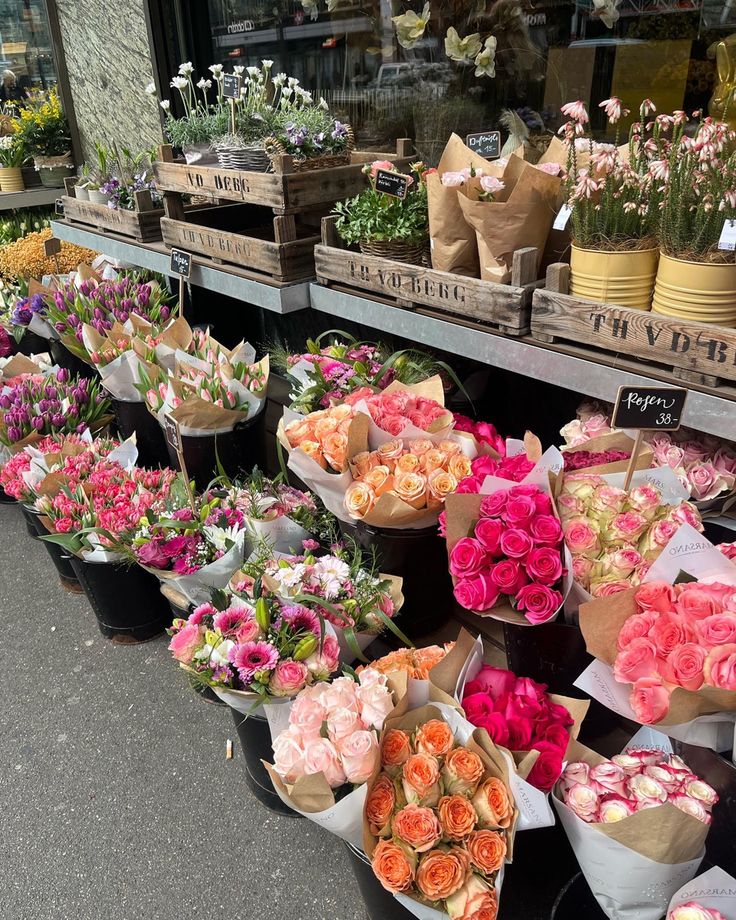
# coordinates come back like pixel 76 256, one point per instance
pixel 563 216
pixel 59 207
pixel 727 239
pixel 52 247
pixel 649 408
pixel 231 85
pixel 392 183
pixel 181 263
pixel 485 143
pixel 171 430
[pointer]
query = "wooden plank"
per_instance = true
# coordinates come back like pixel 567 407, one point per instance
pixel 524 266
pixel 558 278
pixel 481 300
pixel 143 226
pixel 699 348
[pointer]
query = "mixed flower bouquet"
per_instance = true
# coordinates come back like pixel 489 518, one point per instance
pixel 439 817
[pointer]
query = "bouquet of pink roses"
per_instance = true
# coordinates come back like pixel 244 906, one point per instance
pixel 484 433
pixel 404 411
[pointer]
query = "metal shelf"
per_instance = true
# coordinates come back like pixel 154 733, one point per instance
pixel 704 412
pixel 155 257
pixel 30 198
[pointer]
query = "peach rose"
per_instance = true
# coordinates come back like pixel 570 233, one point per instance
pixel 379 479
pixel 441 484
pixel 335 447
pixel 395 748
pixel 411 488
pixel 342 412
pixel 462 771
pixel 442 872
pixel 298 431
pixel 460 467
pixel 476 900
pixel 457 816
pixel 314 452
pixel 390 450
pixel 359 499
pixel 363 462
pixel 379 806
pixel 420 446
pixel 393 866
pixel 408 463
pixel 417 826
pixel 420 779
pixel 434 737
pixel 434 459
pixel 359 755
pixel 324 426
pixel 450 448
pixel 487 850
pixel 493 805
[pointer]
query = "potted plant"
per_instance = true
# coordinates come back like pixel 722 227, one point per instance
pixel 81 189
pixel 696 280
pixel 44 131
pixel 381 225
pixel 99 176
pixel 613 197
pixel 12 156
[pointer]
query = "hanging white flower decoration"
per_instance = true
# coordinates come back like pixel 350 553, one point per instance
pixel 462 50
pixel 607 11
pixel 485 61
pixel 410 26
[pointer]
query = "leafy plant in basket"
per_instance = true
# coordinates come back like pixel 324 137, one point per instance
pixel 44 130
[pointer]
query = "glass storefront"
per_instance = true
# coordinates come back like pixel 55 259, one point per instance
pixel 421 77
pixel 26 53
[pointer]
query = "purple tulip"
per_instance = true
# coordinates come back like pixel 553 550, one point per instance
pixel 57 421
pixel 14 434
pixel 37 423
pixel 81 428
pixel 63 375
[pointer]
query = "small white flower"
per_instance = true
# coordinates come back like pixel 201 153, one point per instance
pixel 293 82
pixel 186 69
pixel 279 79
pixel 165 105
pixel 323 103
pixel 239 70
pixel 267 65
pixel 179 83
pixel 216 654
pixel 253 72
pixel 331 566
pixel 204 84
pixel 216 69
pixel 151 89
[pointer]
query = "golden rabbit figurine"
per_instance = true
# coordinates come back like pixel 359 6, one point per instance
pixel 722 103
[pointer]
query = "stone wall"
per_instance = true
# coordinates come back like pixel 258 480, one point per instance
pixel 105 45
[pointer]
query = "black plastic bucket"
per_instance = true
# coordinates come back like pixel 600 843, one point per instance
pixel 238 451
pixel 58 555
pixel 6 499
pixel 32 344
pixel 255 740
pixel 30 517
pixel 576 901
pixel 134 417
pixel 64 358
pixel 379 903
pixel 126 600
pixel 420 558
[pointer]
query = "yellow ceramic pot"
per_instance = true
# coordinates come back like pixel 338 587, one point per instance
pixel 624 278
pixel 11 179
pixel 701 291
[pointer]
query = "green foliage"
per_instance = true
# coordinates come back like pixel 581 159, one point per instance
pixel 375 217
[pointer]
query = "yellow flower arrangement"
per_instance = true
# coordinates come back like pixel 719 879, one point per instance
pixel 26 258
pixel 43 126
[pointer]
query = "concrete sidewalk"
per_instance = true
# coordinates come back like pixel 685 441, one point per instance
pixel 116 800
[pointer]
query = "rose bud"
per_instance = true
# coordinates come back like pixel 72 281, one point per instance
pixel 583 800
pixel 697 789
pixel 691 807
pixel 615 808
pixel 608 777
pixel 645 788
pixel 665 776
pixel 575 774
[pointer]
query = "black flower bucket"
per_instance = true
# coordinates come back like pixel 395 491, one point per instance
pixel 255 740
pixel 126 600
pixel 379 903
pixel 420 558
pixel 134 418
pixel 32 344
pixel 575 901
pixel 57 554
pixel 61 355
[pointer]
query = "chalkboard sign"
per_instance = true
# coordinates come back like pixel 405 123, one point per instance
pixel 59 207
pixel 392 183
pixel 171 430
pixel 52 247
pixel 231 85
pixel 649 408
pixel 485 143
pixel 181 263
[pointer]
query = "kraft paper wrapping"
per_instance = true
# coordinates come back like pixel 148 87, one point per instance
pixel 714 889
pixel 19 364
pixel 521 216
pixel 614 440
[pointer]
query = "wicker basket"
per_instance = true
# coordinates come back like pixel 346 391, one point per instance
pixel 326 161
pixel 413 253
pixel 254 159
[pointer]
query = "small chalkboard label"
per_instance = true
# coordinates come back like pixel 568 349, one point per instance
pixel 59 207
pixel 171 430
pixel 392 183
pixel 649 408
pixel 485 143
pixel 231 85
pixel 52 247
pixel 181 263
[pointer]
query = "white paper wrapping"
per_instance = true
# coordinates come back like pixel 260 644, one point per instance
pixel 344 819
pixel 714 889
pixel 283 534
pixel 120 377
pixel 197 588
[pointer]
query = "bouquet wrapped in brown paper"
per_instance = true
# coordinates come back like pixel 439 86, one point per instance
pixel 18 365
pixel 519 215
pixel 614 441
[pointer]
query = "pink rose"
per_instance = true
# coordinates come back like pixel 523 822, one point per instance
pixel 525 686
pixel 248 631
pixel 576 773
pixel 476 593
pixel 508 576
pixel 719 629
pixel 583 801
pixel 647 789
pixel 477 706
pixel 628 526
pixel 469 486
pixel 580 536
pixel 359 754
pixel 547 767
pixel 488 532
pixel 637 659
pixel 608 777
pixel 645 757
pixel 392 424
pixel 697 789
pixel 546 530
pixel 493 681
pixel 645 499
pixel 609 588
pixel 607 499
pixel 341 723
pixel 691 807
pixel 538 602
pixel 685 666
pixel 544 565
pixel 492 505
pixel 636 627
pixel 520 730
pixel 325 660
pixel 496 725
pixel 288 678
pixel 615 808
pixel 307 714
pixel 707 482
pixel 660 533
pixel 342 693
pixel 697 603
pixel 725 460
pixel 581 569
pixel 570 506
pixel 185 643
pixel 657 596
pixel 668 778
pixel 516 544
pixel 320 756
pixel 376 703
pixel 467 558
pixel 694 450
pixel 519 510
pixel 288 757
pixel 650 700
pixel 720 667
pixel 685 513
pixel 624 561
pixel 669 631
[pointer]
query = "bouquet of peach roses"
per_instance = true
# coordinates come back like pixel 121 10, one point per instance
pixel 439 816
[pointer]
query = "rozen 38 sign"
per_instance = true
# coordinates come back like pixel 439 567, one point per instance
pixel 649 408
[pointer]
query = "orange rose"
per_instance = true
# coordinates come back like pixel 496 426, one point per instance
pixel 434 737
pixel 390 450
pixel 342 413
pixel 335 447
pixel 493 805
pixel 420 776
pixel 324 426
pixel 460 467
pixel 442 872
pixel 487 850
pixel 476 900
pixel 363 462
pixel 408 463
pixel 359 499
pixel 315 416
pixel 395 748
pixel 457 816
pixel 379 806
pixel 462 771
pixel 379 479
pixel 392 866
pixel 434 459
pixel 440 484
pixel 426 658
pixel 451 448
pixel 411 488
pixel 418 827
pixel 314 451
pixel 298 431
pixel 420 446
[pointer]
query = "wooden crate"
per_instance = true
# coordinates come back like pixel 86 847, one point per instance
pixel 278 248
pixel 694 352
pixel 472 301
pixel 285 190
pixel 144 223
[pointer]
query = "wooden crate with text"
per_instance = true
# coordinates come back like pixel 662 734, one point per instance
pixel 143 223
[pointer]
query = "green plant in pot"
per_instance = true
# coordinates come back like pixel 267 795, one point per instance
pixel 384 225
pixel 44 131
pixel 12 156
pixel 98 175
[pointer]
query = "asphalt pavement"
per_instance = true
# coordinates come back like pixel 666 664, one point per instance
pixel 116 799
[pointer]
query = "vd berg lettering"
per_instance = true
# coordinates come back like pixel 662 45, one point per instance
pixel 395 281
